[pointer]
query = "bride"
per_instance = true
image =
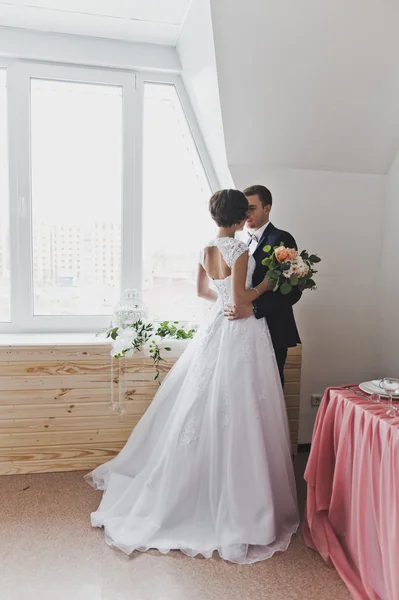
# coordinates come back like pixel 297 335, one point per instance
pixel 208 468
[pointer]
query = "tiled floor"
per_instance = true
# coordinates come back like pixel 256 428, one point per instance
pixel 48 551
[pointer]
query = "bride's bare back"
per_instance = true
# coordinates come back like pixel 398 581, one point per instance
pixel 222 258
pixel 215 265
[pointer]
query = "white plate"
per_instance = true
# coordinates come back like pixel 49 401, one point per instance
pixel 373 387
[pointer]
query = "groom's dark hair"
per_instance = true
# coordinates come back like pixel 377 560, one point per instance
pixel 262 192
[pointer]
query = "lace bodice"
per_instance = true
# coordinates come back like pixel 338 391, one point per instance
pixel 230 249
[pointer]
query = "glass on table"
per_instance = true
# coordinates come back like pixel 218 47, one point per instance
pixel 390 385
pixel 376 398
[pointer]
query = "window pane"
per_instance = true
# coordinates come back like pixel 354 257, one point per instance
pixel 175 208
pixel 76 133
pixel 4 206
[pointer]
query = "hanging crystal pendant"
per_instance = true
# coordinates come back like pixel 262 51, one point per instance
pixel 128 310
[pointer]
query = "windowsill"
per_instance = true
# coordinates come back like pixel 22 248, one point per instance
pixel 51 339
pixel 75 339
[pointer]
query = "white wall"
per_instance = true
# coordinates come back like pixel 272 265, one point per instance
pixel 197 56
pixel 310 102
pixel 339 216
pixel 389 281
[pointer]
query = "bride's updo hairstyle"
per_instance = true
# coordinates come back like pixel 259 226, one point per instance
pixel 228 208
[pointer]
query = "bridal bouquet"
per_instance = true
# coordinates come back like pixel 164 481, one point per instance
pixel 288 268
pixel 146 337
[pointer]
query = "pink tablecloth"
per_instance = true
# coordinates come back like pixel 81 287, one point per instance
pixel 352 512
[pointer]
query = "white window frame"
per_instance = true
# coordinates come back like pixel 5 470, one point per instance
pixel 6 327
pixel 19 74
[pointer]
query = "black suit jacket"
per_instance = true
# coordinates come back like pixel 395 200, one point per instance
pixel 274 306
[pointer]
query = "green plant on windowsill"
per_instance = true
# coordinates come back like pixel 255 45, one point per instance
pixel 147 337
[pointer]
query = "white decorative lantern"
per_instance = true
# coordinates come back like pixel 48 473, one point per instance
pixel 129 309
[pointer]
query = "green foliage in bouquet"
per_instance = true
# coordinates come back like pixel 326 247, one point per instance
pixel 287 268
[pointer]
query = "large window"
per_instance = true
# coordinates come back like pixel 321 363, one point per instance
pixel 76 150
pixel 5 281
pixel 112 182
pixel 176 221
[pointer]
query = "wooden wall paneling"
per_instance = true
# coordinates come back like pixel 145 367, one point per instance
pixel 55 412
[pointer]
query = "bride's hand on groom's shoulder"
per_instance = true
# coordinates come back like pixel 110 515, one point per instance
pixel 233 313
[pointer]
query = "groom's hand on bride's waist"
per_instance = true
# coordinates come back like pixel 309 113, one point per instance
pixel 238 312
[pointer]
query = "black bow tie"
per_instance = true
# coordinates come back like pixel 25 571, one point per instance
pixel 252 238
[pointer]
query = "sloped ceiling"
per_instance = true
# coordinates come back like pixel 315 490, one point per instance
pixel 309 84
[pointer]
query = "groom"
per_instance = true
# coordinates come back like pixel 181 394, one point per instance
pixel 273 306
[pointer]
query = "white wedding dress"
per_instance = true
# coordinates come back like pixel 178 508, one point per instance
pixel 208 468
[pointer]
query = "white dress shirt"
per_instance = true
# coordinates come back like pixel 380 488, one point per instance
pixel 258 234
